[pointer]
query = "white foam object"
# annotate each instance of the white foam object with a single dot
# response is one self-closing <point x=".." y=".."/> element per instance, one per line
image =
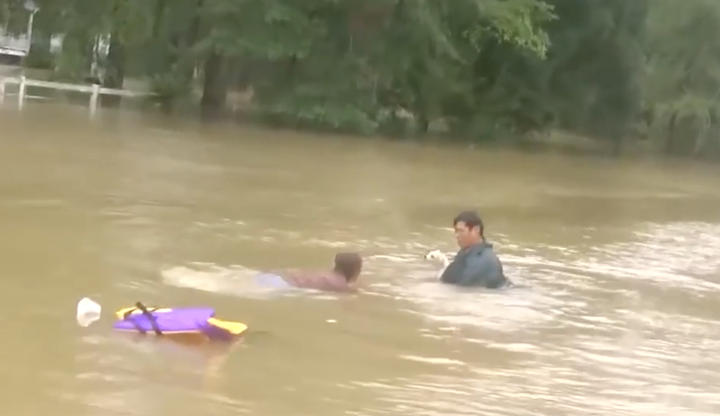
<point x="88" y="311"/>
<point x="438" y="257"/>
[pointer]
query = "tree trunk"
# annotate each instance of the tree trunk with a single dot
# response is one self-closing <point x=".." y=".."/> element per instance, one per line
<point x="214" y="95"/>
<point x="115" y="71"/>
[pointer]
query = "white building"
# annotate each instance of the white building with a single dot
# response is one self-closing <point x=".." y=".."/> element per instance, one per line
<point x="18" y="45"/>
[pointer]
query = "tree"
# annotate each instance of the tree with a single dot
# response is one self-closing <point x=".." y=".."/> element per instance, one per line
<point x="684" y="75"/>
<point x="474" y="69"/>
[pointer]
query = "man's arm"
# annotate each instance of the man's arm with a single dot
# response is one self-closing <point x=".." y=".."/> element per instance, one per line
<point x="454" y="270"/>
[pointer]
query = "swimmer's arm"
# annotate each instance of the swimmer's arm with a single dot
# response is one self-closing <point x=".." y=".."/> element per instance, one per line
<point x="329" y="285"/>
<point x="345" y="287"/>
<point x="339" y="289"/>
<point x="350" y="289"/>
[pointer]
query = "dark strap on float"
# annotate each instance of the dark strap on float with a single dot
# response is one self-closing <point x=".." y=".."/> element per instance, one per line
<point x="147" y="312"/>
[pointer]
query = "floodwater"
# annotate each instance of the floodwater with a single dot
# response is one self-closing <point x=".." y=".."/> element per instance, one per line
<point x="618" y="265"/>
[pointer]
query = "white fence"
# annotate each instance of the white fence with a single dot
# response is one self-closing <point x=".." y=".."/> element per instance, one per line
<point x="94" y="90"/>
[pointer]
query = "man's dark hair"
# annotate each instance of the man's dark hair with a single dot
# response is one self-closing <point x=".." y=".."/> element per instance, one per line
<point x="471" y="220"/>
<point x="348" y="265"/>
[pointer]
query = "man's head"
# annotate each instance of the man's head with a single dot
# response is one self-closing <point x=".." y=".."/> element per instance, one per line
<point x="469" y="229"/>
<point x="348" y="265"/>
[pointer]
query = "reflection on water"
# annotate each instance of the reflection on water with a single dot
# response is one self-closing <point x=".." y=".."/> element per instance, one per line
<point x="583" y="345"/>
<point x="616" y="265"/>
<point x="139" y="377"/>
<point x="589" y="334"/>
<point x="675" y="253"/>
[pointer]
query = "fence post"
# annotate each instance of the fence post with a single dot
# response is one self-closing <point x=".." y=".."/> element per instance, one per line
<point x="21" y="93"/>
<point x="94" y="99"/>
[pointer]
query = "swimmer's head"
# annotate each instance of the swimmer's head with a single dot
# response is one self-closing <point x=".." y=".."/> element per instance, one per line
<point x="348" y="265"/>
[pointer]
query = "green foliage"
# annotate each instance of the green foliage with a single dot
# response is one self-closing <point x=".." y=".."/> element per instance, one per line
<point x="684" y="75"/>
<point x="477" y="69"/>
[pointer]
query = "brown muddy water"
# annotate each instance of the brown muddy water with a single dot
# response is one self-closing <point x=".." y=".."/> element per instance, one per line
<point x="618" y="313"/>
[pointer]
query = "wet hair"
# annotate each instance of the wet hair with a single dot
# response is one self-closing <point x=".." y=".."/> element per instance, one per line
<point x="348" y="264"/>
<point x="471" y="220"/>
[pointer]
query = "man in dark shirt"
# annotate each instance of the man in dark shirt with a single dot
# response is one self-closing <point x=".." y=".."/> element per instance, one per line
<point x="476" y="264"/>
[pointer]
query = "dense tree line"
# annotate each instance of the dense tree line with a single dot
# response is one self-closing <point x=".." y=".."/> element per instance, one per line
<point x="613" y="70"/>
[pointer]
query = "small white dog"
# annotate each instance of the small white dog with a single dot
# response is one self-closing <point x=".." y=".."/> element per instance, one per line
<point x="440" y="259"/>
